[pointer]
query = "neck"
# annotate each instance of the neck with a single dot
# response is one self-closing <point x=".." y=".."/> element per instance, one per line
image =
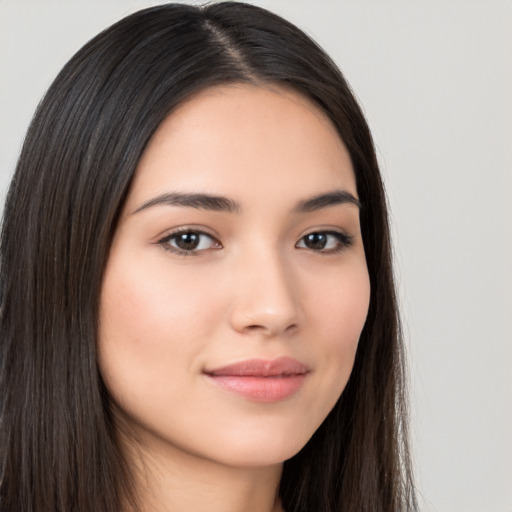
<point x="168" y="479"/>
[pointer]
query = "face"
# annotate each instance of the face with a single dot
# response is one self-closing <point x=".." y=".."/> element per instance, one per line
<point x="236" y="286"/>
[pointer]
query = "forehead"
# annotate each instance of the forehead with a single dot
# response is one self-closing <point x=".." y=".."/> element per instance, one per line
<point x="241" y="141"/>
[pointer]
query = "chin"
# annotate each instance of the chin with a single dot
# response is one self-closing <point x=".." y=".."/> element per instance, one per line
<point x="263" y="446"/>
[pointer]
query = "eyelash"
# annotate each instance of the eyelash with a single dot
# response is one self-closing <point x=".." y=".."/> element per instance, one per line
<point x="165" y="241"/>
<point x="342" y="239"/>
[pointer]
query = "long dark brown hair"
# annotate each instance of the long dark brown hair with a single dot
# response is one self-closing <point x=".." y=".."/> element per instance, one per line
<point x="58" y="449"/>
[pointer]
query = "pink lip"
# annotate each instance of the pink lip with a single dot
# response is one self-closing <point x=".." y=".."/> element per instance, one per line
<point x="261" y="380"/>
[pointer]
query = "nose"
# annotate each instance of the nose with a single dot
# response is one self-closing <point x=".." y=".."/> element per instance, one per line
<point x="266" y="301"/>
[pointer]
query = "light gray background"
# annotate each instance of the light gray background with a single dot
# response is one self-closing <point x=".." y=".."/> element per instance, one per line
<point x="435" y="79"/>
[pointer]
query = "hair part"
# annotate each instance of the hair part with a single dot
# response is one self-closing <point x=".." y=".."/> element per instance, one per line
<point x="58" y="443"/>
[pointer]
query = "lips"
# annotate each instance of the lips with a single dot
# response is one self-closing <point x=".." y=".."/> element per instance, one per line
<point x="261" y="380"/>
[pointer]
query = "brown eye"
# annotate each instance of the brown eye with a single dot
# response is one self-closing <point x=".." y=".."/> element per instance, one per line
<point x="324" y="241"/>
<point x="188" y="242"/>
<point x="315" y="241"/>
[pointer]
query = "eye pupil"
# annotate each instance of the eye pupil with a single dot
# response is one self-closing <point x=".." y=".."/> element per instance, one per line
<point x="187" y="241"/>
<point x="315" y="241"/>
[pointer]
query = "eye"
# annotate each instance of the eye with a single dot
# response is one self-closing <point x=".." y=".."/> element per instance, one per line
<point x="325" y="241"/>
<point x="189" y="242"/>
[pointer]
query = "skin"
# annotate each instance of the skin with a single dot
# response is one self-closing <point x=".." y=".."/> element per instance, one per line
<point x="253" y="288"/>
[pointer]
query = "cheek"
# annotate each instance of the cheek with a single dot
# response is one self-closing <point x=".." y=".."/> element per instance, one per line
<point x="340" y="314"/>
<point x="340" y="305"/>
<point x="149" y="326"/>
<point x="349" y="315"/>
<point x="149" y="304"/>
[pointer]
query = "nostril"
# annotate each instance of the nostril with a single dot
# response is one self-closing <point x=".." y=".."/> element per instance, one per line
<point x="291" y="328"/>
<point x="255" y="327"/>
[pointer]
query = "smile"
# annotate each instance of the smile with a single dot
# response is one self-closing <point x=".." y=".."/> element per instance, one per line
<point x="261" y="380"/>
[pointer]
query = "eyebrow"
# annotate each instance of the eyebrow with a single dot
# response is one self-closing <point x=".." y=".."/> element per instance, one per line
<point x="224" y="204"/>
<point x="325" y="200"/>
<point x="198" y="201"/>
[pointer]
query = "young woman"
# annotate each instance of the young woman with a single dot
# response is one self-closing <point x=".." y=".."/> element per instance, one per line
<point x="198" y="309"/>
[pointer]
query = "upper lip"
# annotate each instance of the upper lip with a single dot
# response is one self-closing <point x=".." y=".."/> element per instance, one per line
<point x="282" y="366"/>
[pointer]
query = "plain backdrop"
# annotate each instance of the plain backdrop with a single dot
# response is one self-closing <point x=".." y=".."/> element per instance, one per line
<point x="435" y="80"/>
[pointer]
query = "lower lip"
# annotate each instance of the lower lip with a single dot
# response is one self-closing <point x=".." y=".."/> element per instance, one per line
<point x="261" y="389"/>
